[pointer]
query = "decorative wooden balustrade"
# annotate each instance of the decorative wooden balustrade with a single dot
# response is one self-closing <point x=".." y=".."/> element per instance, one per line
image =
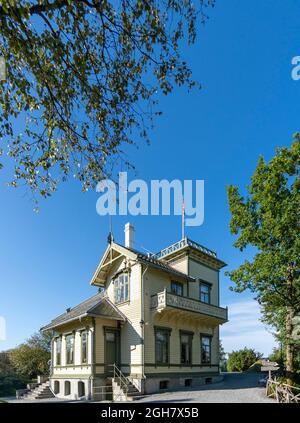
<point x="164" y="299"/>
<point x="282" y="392"/>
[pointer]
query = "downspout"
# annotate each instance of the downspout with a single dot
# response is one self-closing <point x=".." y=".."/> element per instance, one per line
<point x="143" y="322"/>
<point x="51" y="370"/>
<point x="91" y="377"/>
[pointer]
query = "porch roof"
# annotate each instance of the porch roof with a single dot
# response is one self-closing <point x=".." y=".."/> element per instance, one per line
<point x="98" y="305"/>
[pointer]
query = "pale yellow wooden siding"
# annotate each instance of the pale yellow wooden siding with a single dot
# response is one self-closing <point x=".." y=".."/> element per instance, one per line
<point x="198" y="270"/>
<point x="77" y="368"/>
<point x="156" y="281"/>
<point x="181" y="264"/>
<point x="131" y="332"/>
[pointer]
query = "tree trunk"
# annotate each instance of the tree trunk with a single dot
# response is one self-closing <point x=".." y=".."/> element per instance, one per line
<point x="289" y="346"/>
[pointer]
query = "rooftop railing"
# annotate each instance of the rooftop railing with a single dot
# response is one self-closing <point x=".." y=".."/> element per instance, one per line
<point x="183" y="243"/>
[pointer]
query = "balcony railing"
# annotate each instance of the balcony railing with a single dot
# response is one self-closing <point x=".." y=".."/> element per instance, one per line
<point x="166" y="299"/>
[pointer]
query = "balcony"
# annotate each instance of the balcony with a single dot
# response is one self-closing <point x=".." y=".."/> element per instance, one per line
<point x="164" y="301"/>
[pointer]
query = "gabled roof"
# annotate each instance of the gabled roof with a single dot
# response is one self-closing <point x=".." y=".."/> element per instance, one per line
<point x="98" y="305"/>
<point x="150" y="260"/>
<point x="116" y="251"/>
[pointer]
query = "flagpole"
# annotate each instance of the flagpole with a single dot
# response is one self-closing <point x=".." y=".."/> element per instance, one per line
<point x="182" y="222"/>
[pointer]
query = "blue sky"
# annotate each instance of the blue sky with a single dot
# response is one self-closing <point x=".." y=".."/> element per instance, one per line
<point x="247" y="106"/>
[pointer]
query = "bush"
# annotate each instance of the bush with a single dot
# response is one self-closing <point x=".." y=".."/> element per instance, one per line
<point x="19" y="365"/>
<point x="9" y="379"/>
<point x="9" y="383"/>
<point x="242" y="360"/>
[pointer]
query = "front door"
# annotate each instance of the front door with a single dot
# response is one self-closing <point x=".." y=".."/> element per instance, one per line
<point x="112" y="350"/>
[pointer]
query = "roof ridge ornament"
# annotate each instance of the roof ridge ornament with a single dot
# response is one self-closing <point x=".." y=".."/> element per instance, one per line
<point x="110" y="238"/>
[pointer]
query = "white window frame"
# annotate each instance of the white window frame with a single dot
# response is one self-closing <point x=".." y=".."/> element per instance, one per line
<point x="121" y="287"/>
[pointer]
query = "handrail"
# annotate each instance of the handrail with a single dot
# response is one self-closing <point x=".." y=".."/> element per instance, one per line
<point x="124" y="382"/>
<point x="282" y="392"/>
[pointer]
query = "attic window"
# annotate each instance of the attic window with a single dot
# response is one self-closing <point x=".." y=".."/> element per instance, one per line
<point x="121" y="288"/>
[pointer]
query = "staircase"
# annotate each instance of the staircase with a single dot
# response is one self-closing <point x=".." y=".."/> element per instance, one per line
<point x="122" y="388"/>
<point x="42" y="391"/>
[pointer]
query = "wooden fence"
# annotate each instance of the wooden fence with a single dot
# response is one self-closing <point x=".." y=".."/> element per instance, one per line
<point x="282" y="392"/>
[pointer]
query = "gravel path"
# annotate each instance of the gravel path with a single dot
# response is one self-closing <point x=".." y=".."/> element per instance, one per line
<point x="236" y="387"/>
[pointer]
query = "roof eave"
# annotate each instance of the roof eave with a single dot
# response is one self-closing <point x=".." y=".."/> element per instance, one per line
<point x="98" y="281"/>
<point x="175" y="272"/>
<point x="55" y="325"/>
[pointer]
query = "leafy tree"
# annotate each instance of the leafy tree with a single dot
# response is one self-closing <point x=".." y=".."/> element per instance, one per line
<point x="277" y="355"/>
<point x="268" y="218"/>
<point x="83" y="76"/>
<point x="241" y="360"/>
<point x="222" y="358"/>
<point x="31" y="358"/>
<point x="9" y="379"/>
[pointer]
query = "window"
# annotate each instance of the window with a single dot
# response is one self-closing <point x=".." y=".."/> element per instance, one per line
<point x="121" y="288"/>
<point x="81" y="389"/>
<point x="186" y="340"/>
<point x="56" y="386"/>
<point x="188" y="382"/>
<point x="205" y="349"/>
<point x="110" y="336"/>
<point x="67" y="388"/>
<point x="84" y="347"/>
<point x="177" y="288"/>
<point x="70" y="349"/>
<point x="58" y="351"/>
<point x="163" y="384"/>
<point x="205" y="293"/>
<point x="162" y="346"/>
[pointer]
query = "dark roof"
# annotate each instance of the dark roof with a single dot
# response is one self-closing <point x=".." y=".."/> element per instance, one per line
<point x="96" y="306"/>
<point x="160" y="264"/>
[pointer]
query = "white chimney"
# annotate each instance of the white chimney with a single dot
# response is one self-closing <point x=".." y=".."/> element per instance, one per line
<point x="129" y="235"/>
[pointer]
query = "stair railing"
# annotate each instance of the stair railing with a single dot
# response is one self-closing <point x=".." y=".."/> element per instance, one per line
<point x="122" y="379"/>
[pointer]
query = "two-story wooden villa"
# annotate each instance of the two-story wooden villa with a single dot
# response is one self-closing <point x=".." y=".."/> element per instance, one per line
<point x="155" y="320"/>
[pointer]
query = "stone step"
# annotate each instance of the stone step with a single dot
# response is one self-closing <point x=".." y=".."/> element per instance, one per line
<point x="42" y="391"/>
<point x="44" y="395"/>
<point x="133" y="394"/>
<point x="131" y="387"/>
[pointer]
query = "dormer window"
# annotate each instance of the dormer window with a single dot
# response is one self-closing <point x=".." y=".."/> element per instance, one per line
<point x="121" y="288"/>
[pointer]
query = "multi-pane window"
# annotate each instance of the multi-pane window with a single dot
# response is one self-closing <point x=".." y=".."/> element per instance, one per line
<point x="205" y="349"/>
<point x="121" y="288"/>
<point x="177" y="288"/>
<point x="162" y="346"/>
<point x="58" y="351"/>
<point x="186" y="340"/>
<point x="70" y="349"/>
<point x="84" y="346"/>
<point x="204" y="292"/>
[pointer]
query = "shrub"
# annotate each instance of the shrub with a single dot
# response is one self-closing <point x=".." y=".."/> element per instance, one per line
<point x="242" y="360"/>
